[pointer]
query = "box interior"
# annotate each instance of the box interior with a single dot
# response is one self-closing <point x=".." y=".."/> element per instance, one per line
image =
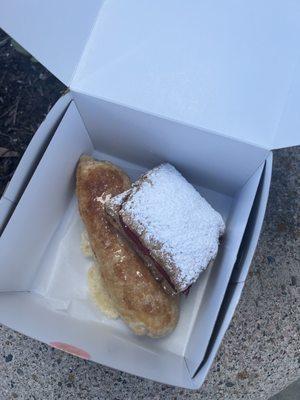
<point x="204" y="157"/>
<point x="30" y="159"/>
<point x="46" y="229"/>
<point x="238" y="277"/>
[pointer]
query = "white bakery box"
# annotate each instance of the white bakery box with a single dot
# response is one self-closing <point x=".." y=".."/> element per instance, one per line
<point x="209" y="86"/>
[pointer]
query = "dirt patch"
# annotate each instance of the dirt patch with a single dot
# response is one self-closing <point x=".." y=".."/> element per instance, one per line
<point x="27" y="92"/>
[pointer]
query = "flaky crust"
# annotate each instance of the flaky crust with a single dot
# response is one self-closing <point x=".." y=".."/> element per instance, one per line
<point x="139" y="299"/>
<point x="112" y="211"/>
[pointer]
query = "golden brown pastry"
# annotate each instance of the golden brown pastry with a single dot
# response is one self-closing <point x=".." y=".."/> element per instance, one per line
<point x="138" y="298"/>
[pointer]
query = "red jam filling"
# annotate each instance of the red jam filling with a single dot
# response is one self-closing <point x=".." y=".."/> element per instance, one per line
<point x="145" y="251"/>
<point x="186" y="292"/>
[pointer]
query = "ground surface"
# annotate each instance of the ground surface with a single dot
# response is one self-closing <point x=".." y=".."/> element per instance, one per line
<point x="260" y="353"/>
<point x="27" y="92"/>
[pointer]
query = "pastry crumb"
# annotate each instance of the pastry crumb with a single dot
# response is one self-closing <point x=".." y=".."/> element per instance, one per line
<point x="104" y="198"/>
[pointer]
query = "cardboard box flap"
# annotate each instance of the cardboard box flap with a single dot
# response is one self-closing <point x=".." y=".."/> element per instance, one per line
<point x="55" y="32"/>
<point x="228" y="67"/>
<point x="288" y="132"/>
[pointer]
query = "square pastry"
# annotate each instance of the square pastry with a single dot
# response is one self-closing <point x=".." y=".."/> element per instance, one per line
<point x="172" y="227"/>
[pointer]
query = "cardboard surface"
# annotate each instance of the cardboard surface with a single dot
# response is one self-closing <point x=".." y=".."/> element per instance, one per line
<point x="254" y="225"/>
<point x="33" y="222"/>
<point x="228" y="67"/>
<point x="6" y="207"/>
<point x="102" y="345"/>
<point x="237" y="280"/>
<point x="35" y="149"/>
<point x="149" y="140"/>
<point x="54" y="32"/>
<point x="288" y="132"/>
<point x="51" y="269"/>
<point x="221" y="273"/>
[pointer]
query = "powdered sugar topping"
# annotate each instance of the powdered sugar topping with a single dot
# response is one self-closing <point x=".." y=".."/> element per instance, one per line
<point x="174" y="222"/>
<point x="103" y="198"/>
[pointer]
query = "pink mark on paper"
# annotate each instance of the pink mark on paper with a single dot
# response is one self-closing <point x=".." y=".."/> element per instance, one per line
<point x="68" y="348"/>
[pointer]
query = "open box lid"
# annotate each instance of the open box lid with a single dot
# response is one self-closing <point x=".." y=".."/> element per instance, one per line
<point x="229" y="67"/>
